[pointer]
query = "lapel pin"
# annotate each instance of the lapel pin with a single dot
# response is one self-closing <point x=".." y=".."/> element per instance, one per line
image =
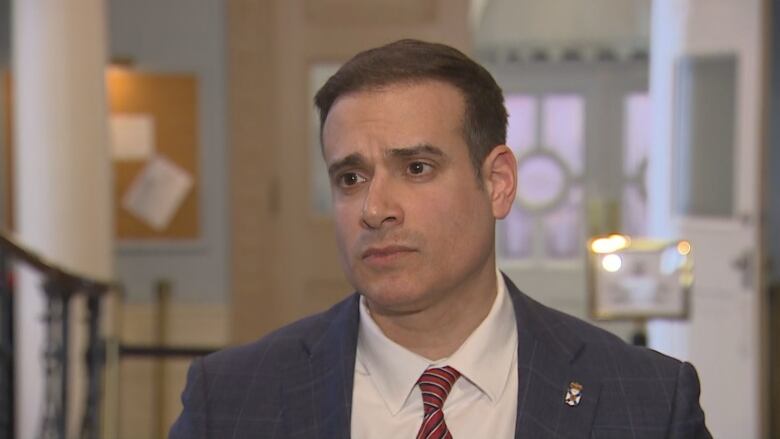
<point x="574" y="394"/>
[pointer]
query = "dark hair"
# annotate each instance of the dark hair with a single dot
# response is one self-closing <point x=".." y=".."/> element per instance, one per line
<point x="485" y="118"/>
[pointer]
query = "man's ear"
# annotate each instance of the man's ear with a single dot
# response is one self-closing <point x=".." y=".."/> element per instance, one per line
<point x="499" y="175"/>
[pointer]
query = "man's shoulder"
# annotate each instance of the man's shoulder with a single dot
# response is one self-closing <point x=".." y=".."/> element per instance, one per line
<point x="609" y="347"/>
<point x="643" y="386"/>
<point x="605" y="352"/>
<point x="288" y="343"/>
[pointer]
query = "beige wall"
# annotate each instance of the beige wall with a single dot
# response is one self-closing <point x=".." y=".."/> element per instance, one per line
<point x="284" y="262"/>
<point x="182" y="36"/>
<point x="137" y="413"/>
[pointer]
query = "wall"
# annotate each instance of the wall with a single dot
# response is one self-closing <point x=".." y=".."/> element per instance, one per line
<point x="773" y="178"/>
<point x="772" y="226"/>
<point x="184" y="37"/>
<point x="604" y="23"/>
<point x="285" y="262"/>
<point x="176" y="36"/>
<point x="181" y="36"/>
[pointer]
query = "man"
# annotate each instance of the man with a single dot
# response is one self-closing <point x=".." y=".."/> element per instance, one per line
<point x="435" y="343"/>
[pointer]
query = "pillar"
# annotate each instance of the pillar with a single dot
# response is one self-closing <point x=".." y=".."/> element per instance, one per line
<point x="62" y="186"/>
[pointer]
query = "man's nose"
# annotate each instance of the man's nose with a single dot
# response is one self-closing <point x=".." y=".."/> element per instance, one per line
<point x="381" y="207"/>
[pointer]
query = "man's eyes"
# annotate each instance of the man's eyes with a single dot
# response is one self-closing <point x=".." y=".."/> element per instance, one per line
<point x="413" y="169"/>
<point x="350" y="179"/>
<point x="419" y="168"/>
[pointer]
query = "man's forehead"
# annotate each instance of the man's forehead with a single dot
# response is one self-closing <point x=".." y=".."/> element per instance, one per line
<point x="409" y="91"/>
<point x="417" y="109"/>
<point x="400" y="85"/>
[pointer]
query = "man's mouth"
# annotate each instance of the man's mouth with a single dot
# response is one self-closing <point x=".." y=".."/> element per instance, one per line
<point x="380" y="255"/>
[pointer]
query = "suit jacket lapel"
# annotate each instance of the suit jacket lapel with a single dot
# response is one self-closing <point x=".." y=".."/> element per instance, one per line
<point x="318" y="395"/>
<point x="547" y="366"/>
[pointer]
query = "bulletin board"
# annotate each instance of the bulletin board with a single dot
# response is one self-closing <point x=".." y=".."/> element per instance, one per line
<point x="170" y="101"/>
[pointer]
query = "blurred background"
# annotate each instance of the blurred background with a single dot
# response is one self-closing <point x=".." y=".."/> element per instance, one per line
<point x="162" y="193"/>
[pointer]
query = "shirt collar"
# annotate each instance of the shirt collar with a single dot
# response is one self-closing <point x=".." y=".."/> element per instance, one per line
<point x="485" y="358"/>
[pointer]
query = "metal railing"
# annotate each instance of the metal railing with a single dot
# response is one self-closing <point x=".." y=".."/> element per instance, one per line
<point x="60" y="286"/>
<point x="6" y="349"/>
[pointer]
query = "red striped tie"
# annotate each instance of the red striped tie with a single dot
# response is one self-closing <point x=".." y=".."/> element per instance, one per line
<point x="435" y="384"/>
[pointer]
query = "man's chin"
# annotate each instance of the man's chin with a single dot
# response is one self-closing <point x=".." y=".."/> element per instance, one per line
<point x="394" y="301"/>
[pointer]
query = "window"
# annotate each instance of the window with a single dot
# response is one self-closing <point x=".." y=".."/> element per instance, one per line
<point x="547" y="135"/>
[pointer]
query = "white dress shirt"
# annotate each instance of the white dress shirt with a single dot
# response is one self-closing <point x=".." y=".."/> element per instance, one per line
<point x="386" y="402"/>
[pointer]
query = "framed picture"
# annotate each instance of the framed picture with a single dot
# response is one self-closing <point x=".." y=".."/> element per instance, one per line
<point x="635" y="278"/>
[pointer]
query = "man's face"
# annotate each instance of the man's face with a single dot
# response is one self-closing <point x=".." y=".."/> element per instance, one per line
<point x="413" y="222"/>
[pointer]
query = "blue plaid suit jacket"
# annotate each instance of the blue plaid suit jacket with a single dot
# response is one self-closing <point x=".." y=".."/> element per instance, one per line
<point x="297" y="383"/>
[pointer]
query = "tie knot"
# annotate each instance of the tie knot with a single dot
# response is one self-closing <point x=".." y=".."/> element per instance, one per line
<point x="435" y="384"/>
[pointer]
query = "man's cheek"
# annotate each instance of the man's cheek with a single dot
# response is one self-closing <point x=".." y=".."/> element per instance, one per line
<point x="345" y="214"/>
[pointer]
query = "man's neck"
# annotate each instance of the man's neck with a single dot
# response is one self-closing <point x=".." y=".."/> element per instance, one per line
<point x="438" y="330"/>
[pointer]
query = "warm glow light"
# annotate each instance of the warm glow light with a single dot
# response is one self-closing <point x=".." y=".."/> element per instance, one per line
<point x="609" y="244"/>
<point x="684" y="247"/>
<point x="612" y="263"/>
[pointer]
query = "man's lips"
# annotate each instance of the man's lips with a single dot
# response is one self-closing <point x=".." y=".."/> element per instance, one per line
<point x="385" y="252"/>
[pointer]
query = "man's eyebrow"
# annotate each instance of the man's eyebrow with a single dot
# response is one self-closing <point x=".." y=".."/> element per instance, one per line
<point x="352" y="160"/>
<point x="416" y="150"/>
<point x="356" y="160"/>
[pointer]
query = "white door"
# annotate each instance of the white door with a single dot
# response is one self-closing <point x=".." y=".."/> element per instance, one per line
<point x="714" y="204"/>
<point x="579" y="130"/>
<point x="707" y="80"/>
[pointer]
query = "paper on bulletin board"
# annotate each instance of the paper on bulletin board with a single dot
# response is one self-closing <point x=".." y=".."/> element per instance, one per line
<point x="132" y="136"/>
<point x="157" y="192"/>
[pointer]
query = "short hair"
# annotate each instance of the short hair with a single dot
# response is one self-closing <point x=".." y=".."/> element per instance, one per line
<point x="411" y="61"/>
